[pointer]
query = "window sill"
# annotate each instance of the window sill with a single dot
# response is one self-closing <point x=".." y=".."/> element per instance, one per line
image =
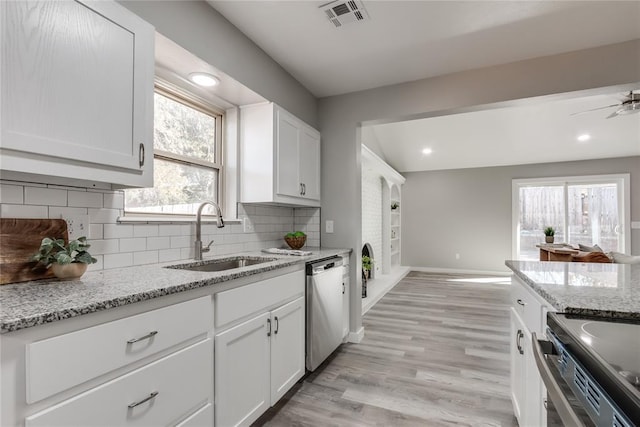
<point x="157" y="219"/>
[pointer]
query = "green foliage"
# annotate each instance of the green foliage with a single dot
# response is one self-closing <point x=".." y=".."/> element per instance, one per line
<point x="395" y="205"/>
<point x="549" y="231"/>
<point x="296" y="234"/>
<point x="366" y="263"/>
<point x="54" y="251"/>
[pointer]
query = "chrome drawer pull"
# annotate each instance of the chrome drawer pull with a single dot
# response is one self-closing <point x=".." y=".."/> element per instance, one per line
<point x="146" y="399"/>
<point x="146" y="337"/>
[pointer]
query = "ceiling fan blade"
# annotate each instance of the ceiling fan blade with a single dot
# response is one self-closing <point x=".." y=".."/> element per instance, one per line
<point x="595" y="109"/>
<point x="612" y="115"/>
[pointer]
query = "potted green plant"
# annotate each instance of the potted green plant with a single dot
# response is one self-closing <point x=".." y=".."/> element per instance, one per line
<point x="295" y="240"/>
<point x="549" y="233"/>
<point x="395" y="206"/>
<point x="366" y="265"/>
<point x="67" y="261"/>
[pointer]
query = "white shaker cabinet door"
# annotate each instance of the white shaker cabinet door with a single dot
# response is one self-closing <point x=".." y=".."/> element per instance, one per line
<point x="310" y="163"/>
<point x="242" y="372"/>
<point x="287" y="347"/>
<point x="288" y="135"/>
<point x="77" y="90"/>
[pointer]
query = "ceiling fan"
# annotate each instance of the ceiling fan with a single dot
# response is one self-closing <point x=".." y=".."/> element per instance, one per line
<point x="630" y="104"/>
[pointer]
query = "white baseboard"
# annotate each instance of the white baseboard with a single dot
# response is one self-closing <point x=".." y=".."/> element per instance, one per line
<point x="356" y="337"/>
<point x="459" y="271"/>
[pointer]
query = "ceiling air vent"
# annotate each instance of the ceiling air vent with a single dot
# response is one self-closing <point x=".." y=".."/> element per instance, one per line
<point x="342" y="12"/>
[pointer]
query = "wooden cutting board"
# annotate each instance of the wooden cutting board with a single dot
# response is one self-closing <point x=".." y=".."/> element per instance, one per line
<point x="19" y="239"/>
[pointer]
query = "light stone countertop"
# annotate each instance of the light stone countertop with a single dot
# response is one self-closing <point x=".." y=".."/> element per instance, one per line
<point x="585" y="289"/>
<point x="27" y="304"/>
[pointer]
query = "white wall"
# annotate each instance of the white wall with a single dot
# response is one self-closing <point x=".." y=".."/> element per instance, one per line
<point x="372" y="215"/>
<point x="468" y="211"/>
<point x="341" y="117"/>
<point x="122" y="245"/>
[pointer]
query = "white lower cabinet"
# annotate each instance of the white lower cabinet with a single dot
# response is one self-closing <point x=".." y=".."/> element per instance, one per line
<point x="160" y="393"/>
<point x="528" y="394"/>
<point x="257" y="362"/>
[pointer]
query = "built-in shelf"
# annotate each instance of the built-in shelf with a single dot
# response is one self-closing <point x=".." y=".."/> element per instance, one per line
<point x="393" y="239"/>
<point x="395" y="253"/>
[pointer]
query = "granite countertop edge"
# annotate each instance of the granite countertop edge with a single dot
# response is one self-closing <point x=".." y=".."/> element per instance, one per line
<point x="567" y="308"/>
<point x="16" y="295"/>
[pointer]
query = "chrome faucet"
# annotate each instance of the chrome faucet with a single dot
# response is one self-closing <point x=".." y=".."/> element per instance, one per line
<point x="199" y="249"/>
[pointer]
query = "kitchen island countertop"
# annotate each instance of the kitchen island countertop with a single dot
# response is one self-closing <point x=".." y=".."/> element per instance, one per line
<point x="23" y="305"/>
<point x="585" y="289"/>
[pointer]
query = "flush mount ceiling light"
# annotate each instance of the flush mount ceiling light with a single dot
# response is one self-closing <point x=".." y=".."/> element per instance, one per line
<point x="204" y="79"/>
<point x="584" y="137"/>
<point x="427" y="151"/>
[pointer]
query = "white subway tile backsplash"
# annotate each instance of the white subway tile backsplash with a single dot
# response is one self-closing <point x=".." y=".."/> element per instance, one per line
<point x="44" y="196"/>
<point x="133" y="244"/>
<point x="11" y="194"/>
<point x="117" y="245"/>
<point x="84" y="199"/>
<point x="145" y="230"/>
<point x="166" y="255"/>
<point x="158" y="243"/>
<point x="114" y="200"/>
<point x="182" y="241"/>
<point x="23" y="211"/>
<point x="116" y="231"/>
<point x="96" y="231"/>
<point x="101" y="247"/>
<point x="103" y="216"/>
<point x="145" y="257"/>
<point x="118" y="260"/>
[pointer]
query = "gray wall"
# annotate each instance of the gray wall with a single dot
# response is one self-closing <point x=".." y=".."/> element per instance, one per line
<point x="468" y="211"/>
<point x="203" y="31"/>
<point x="341" y="116"/>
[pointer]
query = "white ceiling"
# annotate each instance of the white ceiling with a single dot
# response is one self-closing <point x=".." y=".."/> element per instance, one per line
<point x="411" y="40"/>
<point x="536" y="133"/>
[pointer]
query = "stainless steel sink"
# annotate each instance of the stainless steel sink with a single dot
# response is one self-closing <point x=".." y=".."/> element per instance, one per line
<point x="223" y="264"/>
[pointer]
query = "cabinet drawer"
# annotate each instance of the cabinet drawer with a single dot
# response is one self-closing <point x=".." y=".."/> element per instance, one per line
<point x="527" y="306"/>
<point x="202" y="418"/>
<point x="61" y="362"/>
<point x="183" y="381"/>
<point x="240" y="302"/>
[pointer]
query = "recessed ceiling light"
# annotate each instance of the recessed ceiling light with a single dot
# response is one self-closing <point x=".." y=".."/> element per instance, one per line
<point x="584" y="137"/>
<point x="427" y="151"/>
<point x="204" y="79"/>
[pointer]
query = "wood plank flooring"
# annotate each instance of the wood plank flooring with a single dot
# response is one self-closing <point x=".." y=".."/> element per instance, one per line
<point x="435" y="353"/>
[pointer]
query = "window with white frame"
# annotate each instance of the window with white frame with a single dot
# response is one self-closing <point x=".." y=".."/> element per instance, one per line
<point x="584" y="210"/>
<point x="187" y="157"/>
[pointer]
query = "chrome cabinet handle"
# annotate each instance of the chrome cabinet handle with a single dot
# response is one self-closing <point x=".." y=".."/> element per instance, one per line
<point x="519" y="336"/>
<point x="269" y="325"/>
<point x="146" y="399"/>
<point x="141" y="155"/>
<point x="304" y="189"/>
<point x="146" y="337"/>
<point x="277" y="325"/>
<point x="301" y="192"/>
<point x="522" y="303"/>
<point x="343" y="288"/>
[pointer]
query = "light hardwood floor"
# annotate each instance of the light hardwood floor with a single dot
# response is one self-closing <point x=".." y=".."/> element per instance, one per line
<point x="435" y="353"/>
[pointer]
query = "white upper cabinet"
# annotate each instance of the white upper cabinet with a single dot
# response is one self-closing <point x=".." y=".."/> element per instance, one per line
<point x="77" y="91"/>
<point x="280" y="157"/>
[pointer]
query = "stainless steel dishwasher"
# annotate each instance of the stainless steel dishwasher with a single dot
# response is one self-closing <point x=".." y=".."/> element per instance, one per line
<point x="324" y="310"/>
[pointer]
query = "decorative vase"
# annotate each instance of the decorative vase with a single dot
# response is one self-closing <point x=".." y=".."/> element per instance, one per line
<point x="548" y="239"/>
<point x="69" y="271"/>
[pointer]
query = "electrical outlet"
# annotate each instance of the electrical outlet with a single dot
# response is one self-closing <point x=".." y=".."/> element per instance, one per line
<point x="248" y="226"/>
<point x="329" y="226"/>
<point x="77" y="225"/>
